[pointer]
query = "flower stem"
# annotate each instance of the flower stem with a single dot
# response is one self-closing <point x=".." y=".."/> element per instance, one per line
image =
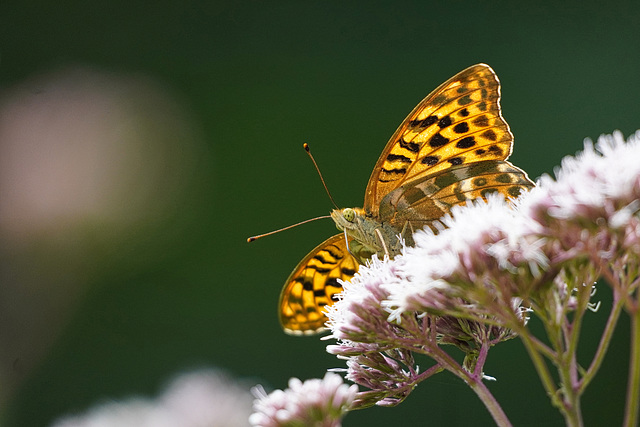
<point x="541" y="367"/>
<point x="633" y="388"/>
<point x="473" y="379"/>
<point x="605" y="340"/>
<point x="489" y="401"/>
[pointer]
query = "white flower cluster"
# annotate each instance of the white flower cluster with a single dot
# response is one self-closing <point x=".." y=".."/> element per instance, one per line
<point x="474" y="282"/>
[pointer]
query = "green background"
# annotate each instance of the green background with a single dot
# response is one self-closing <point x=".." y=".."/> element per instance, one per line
<point x="255" y="80"/>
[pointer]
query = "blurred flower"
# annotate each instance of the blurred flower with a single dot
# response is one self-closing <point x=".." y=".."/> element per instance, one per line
<point x="198" y="399"/>
<point x="320" y="403"/>
<point x="93" y="168"/>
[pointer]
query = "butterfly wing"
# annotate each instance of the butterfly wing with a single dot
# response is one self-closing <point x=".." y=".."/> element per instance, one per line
<point x="313" y="285"/>
<point x="457" y="124"/>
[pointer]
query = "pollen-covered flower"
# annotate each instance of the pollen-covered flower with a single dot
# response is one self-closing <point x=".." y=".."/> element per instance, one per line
<point x="315" y="402"/>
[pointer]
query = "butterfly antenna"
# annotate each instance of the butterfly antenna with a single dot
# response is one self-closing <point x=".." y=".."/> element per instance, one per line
<point x="308" y="150"/>
<point x="252" y="238"/>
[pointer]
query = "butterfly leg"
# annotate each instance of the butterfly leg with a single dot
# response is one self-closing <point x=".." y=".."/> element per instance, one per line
<point x="346" y="241"/>
<point x="407" y="226"/>
<point x="383" y="243"/>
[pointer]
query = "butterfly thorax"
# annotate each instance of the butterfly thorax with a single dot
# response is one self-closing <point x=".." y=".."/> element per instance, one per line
<point x="369" y="235"/>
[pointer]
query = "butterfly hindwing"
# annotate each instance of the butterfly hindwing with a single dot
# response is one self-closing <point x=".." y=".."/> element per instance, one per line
<point x="458" y="123"/>
<point x="313" y="285"/>
<point x="423" y="201"/>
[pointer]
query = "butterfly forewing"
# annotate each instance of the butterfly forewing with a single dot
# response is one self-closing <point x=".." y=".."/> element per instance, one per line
<point x="458" y="123"/>
<point x="313" y="285"/>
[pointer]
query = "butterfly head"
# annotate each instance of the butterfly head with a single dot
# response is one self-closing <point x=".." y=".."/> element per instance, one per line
<point x="349" y="219"/>
<point x="361" y="231"/>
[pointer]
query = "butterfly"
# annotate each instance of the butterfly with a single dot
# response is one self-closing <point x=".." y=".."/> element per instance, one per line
<point x="452" y="148"/>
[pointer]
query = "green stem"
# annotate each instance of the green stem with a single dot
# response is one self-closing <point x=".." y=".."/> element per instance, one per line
<point x="605" y="340"/>
<point x="568" y="365"/>
<point x="482" y="391"/>
<point x="541" y="367"/>
<point x="489" y="401"/>
<point x="567" y="370"/>
<point x="633" y="388"/>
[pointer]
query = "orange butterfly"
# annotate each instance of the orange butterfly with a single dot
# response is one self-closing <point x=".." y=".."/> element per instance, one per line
<point x="452" y="148"/>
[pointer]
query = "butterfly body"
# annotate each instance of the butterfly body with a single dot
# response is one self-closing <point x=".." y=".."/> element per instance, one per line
<point x="452" y="148"/>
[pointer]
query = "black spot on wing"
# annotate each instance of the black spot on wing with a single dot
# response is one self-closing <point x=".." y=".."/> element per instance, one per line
<point x="514" y="191"/>
<point x="481" y="121"/>
<point x="319" y="269"/>
<point x="445" y="180"/>
<point x="457" y="191"/>
<point x="496" y="150"/>
<point x="444" y="122"/>
<point x="424" y="122"/>
<point x="438" y="140"/>
<point x="489" y="134"/>
<point x="467" y="142"/>
<point x="462" y="127"/>
<point x="409" y="146"/>
<point x="430" y="160"/>
<point x="504" y="178"/>
<point x="465" y="100"/>
<point x="395" y="171"/>
<point x="413" y="195"/>
<point x="398" y="157"/>
<point x="399" y="171"/>
<point x="347" y="272"/>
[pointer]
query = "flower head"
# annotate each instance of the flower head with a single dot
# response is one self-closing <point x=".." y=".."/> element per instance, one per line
<point x="592" y="207"/>
<point x="478" y="267"/>
<point x="359" y="314"/>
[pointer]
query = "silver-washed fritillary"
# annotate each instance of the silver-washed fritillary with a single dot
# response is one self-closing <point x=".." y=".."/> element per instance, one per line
<point x="452" y="148"/>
